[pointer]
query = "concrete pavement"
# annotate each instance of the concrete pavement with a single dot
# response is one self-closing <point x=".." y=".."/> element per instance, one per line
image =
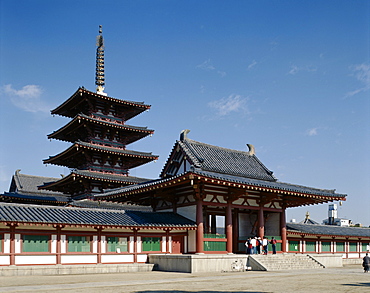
<point x="347" y="279"/>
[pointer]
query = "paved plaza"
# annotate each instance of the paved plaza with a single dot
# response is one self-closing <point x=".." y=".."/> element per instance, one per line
<point x="347" y="279"/>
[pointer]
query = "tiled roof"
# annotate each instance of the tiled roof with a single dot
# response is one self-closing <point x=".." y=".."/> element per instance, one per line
<point x="82" y="216"/>
<point x="273" y="185"/>
<point x="68" y="107"/>
<point x="27" y="184"/>
<point x="328" y="230"/>
<point x="143" y="130"/>
<point x="108" y="176"/>
<point x="232" y="179"/>
<point x="34" y="197"/>
<point x="91" y="175"/>
<point x="64" y="158"/>
<point x="224" y="161"/>
<point x="87" y="203"/>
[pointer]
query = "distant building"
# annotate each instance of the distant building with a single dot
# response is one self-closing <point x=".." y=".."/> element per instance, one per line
<point x="333" y="217"/>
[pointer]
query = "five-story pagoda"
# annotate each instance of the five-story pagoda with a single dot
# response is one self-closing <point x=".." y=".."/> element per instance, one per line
<point x="98" y="158"/>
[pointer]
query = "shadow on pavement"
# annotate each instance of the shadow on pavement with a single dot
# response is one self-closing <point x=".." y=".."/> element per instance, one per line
<point x="358" y="285"/>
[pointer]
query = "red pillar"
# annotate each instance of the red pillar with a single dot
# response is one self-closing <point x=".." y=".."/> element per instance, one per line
<point x="283" y="230"/>
<point x="135" y="245"/>
<point x="200" y="227"/>
<point x="59" y="245"/>
<point x="12" y="245"/>
<point x="167" y="241"/>
<point x="261" y="223"/>
<point x="229" y="228"/>
<point x="99" y="230"/>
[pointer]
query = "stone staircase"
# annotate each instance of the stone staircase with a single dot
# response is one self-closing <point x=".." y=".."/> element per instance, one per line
<point x="285" y="261"/>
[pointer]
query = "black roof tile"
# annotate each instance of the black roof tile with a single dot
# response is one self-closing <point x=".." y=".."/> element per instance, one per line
<point x="328" y="230"/>
<point x="10" y="212"/>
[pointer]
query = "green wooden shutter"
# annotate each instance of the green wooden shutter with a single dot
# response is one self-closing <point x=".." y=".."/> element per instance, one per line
<point x="115" y="244"/>
<point x="325" y="246"/>
<point x="78" y="244"/>
<point x="151" y="243"/>
<point x="352" y="246"/>
<point x="310" y="246"/>
<point x="340" y="246"/>
<point x="35" y="243"/>
<point x="293" y="245"/>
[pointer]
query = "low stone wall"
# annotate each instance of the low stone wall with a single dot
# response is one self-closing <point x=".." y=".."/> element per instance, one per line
<point x="328" y="260"/>
<point x="74" y="269"/>
<point x="352" y="261"/>
<point x="196" y="263"/>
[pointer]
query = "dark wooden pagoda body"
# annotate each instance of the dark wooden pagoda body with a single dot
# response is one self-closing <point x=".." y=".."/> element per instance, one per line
<point x="98" y="157"/>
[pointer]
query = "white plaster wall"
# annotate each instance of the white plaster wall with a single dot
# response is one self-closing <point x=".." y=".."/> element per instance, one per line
<point x="76" y="259"/>
<point x="103" y="244"/>
<point x="35" y="259"/>
<point x="188" y="212"/>
<point x="186" y="244"/>
<point x="138" y="244"/>
<point x="95" y="244"/>
<point x="163" y="248"/>
<point x="4" y="260"/>
<point x="142" y="257"/>
<point x="63" y="243"/>
<point x="131" y="244"/>
<point x="353" y="255"/>
<point x="17" y="243"/>
<point x="53" y="248"/>
<point x="117" y="258"/>
<point x="170" y="243"/>
<point x="6" y="243"/>
<point x="192" y="241"/>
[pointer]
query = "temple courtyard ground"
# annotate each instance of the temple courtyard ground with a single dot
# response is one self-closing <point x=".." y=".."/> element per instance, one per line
<point x="350" y="278"/>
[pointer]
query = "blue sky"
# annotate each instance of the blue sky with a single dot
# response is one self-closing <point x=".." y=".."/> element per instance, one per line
<point x="290" y="77"/>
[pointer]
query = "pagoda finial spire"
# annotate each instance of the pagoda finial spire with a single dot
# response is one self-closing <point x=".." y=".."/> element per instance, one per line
<point x="99" y="74"/>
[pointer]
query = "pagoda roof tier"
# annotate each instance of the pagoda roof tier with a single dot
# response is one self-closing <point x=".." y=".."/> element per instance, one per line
<point x="83" y="101"/>
<point x="75" y="182"/>
<point x="75" y="156"/>
<point x="292" y="195"/>
<point x="78" y="129"/>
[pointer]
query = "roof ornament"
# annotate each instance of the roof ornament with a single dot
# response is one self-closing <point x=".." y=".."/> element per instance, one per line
<point x="184" y="134"/>
<point x="252" y="151"/>
<point x="99" y="73"/>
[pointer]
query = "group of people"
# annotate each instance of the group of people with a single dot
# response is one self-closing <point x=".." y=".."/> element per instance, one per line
<point x="256" y="245"/>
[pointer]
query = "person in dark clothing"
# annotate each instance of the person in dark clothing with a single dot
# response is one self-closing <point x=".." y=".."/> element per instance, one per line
<point x="366" y="263"/>
<point x="273" y="244"/>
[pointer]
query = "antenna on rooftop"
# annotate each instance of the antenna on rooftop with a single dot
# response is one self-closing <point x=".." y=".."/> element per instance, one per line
<point x="99" y="74"/>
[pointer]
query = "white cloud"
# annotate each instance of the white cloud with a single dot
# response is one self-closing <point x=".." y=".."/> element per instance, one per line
<point x="294" y="69"/>
<point x="233" y="103"/>
<point x="312" y="131"/>
<point x="250" y="66"/>
<point x="208" y="66"/>
<point x="362" y="74"/>
<point x="28" y="98"/>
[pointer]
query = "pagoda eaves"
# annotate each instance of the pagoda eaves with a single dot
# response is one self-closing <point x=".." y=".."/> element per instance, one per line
<point x="84" y="101"/>
<point x="89" y="155"/>
<point x="81" y="128"/>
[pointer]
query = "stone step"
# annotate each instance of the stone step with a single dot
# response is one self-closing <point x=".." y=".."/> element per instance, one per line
<point x="286" y="262"/>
